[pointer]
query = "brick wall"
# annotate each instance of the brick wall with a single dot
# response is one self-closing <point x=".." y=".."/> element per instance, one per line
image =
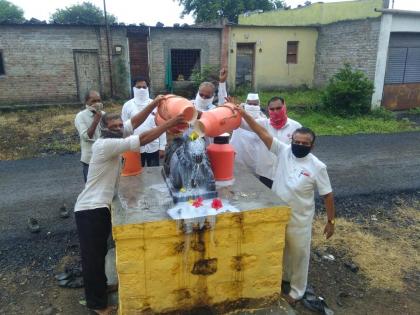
<point x="164" y="39"/>
<point x="39" y="61"/>
<point x="354" y="42"/>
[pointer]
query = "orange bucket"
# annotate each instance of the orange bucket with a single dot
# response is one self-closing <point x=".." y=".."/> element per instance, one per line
<point x="174" y="105"/>
<point x="216" y="121"/>
<point x="131" y="164"/>
<point x="175" y="130"/>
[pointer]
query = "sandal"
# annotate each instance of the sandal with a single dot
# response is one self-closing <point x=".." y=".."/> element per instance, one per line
<point x="314" y="303"/>
<point x="72" y="283"/>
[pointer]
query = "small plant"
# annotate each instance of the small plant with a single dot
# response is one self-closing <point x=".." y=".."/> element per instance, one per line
<point x="348" y="92"/>
<point x="206" y="73"/>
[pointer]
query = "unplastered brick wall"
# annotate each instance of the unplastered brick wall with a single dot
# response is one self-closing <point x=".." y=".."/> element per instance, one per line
<point x="39" y="62"/>
<point x="354" y="42"/>
<point x="162" y="40"/>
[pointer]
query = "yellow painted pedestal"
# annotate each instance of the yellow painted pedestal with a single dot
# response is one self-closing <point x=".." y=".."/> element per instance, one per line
<point x="163" y="270"/>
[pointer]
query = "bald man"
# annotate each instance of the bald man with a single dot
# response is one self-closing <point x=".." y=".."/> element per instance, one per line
<point x="87" y="125"/>
<point x="205" y="96"/>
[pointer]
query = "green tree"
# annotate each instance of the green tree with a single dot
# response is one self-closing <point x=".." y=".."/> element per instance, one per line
<point x="10" y="13"/>
<point x="349" y="92"/>
<point x="85" y="13"/>
<point x="213" y="10"/>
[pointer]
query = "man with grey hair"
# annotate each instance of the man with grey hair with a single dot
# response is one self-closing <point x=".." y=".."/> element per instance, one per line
<point x="205" y="96"/>
<point x="87" y="125"/>
<point x="92" y="209"/>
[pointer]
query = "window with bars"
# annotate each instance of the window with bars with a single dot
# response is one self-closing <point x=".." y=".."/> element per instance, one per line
<point x="292" y="51"/>
<point x="2" y="72"/>
<point x="183" y="62"/>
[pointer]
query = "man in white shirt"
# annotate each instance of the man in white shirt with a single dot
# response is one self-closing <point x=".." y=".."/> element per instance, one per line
<point x="281" y="127"/>
<point x="298" y="173"/>
<point x="87" y="125"/>
<point x="92" y="209"/>
<point x="244" y="141"/>
<point x="155" y="150"/>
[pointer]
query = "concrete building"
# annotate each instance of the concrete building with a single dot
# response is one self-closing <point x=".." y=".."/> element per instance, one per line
<point x="267" y="58"/>
<point x="383" y="43"/>
<point x="175" y="52"/>
<point x="397" y="75"/>
<point x="44" y="63"/>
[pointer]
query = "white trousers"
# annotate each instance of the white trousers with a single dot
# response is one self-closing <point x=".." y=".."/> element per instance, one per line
<point x="296" y="259"/>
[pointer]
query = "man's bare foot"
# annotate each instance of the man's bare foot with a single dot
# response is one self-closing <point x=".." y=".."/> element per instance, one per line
<point x="289" y="299"/>
<point x="106" y="311"/>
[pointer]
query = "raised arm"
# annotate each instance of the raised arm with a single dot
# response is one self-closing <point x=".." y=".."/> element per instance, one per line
<point x="152" y="134"/>
<point x="256" y="127"/>
<point x="222" y="91"/>
<point x="139" y="118"/>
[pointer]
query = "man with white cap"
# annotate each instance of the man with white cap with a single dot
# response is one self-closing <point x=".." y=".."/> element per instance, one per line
<point x="155" y="150"/>
<point x="279" y="126"/>
<point x="245" y="141"/>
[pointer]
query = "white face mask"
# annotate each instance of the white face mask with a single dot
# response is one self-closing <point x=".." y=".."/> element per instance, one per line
<point x="141" y="95"/>
<point x="203" y="103"/>
<point x="253" y="110"/>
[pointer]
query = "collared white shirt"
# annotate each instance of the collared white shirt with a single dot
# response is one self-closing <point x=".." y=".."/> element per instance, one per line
<point x="104" y="170"/>
<point x="295" y="182"/>
<point x="130" y="109"/>
<point x="83" y="121"/>
<point x="266" y="163"/>
<point x="245" y="143"/>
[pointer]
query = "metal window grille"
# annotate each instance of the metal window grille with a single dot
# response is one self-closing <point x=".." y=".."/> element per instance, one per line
<point x="292" y="52"/>
<point x="2" y="72"/>
<point x="183" y="62"/>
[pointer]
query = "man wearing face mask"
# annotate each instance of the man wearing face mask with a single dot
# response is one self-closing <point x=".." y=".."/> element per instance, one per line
<point x="155" y="150"/>
<point x="87" y="125"/>
<point x="92" y="209"/>
<point x="245" y="141"/>
<point x="298" y="173"/>
<point x="280" y="127"/>
<point x="205" y="95"/>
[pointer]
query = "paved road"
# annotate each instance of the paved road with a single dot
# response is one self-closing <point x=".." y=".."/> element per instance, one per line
<point x="360" y="164"/>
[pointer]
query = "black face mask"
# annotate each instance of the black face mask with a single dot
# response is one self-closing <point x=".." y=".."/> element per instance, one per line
<point x="300" y="151"/>
<point x="108" y="133"/>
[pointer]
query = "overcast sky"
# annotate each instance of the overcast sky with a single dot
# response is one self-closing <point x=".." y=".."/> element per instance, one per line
<point x="149" y="11"/>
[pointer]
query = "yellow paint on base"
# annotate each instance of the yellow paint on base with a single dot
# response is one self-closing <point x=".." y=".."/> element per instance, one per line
<point x="159" y="266"/>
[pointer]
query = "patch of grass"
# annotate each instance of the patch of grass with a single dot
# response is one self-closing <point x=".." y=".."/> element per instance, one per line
<point x="384" y="257"/>
<point x="33" y="132"/>
<point x="305" y="107"/>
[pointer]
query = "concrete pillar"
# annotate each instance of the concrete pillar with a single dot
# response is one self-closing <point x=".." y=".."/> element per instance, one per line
<point x="384" y="34"/>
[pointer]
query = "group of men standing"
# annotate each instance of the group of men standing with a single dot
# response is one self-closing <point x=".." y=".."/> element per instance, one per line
<point x="274" y="147"/>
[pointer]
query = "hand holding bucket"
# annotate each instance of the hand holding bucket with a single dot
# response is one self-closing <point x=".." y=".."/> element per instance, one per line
<point x="219" y="120"/>
<point x="170" y="107"/>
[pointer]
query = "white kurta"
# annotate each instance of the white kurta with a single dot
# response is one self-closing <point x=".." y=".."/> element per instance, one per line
<point x="295" y="182"/>
<point x="266" y="164"/>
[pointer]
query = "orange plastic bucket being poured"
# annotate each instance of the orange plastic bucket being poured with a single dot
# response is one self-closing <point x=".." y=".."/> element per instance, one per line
<point x="131" y="164"/>
<point x="171" y="107"/>
<point x="219" y="120"/>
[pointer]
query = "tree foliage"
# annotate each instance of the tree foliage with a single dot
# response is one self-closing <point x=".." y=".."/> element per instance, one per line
<point x="213" y="10"/>
<point x="10" y="13"/>
<point x="349" y="92"/>
<point x="85" y="13"/>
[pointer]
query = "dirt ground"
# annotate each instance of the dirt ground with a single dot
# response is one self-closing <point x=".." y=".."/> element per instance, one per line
<point x="378" y="234"/>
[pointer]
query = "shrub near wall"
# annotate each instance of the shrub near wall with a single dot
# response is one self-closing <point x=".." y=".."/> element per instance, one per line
<point x="348" y="92"/>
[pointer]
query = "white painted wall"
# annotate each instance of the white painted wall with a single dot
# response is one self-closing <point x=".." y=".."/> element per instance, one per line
<point x="405" y="23"/>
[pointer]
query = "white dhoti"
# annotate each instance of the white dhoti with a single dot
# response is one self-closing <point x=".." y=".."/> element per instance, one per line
<point x="296" y="259"/>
